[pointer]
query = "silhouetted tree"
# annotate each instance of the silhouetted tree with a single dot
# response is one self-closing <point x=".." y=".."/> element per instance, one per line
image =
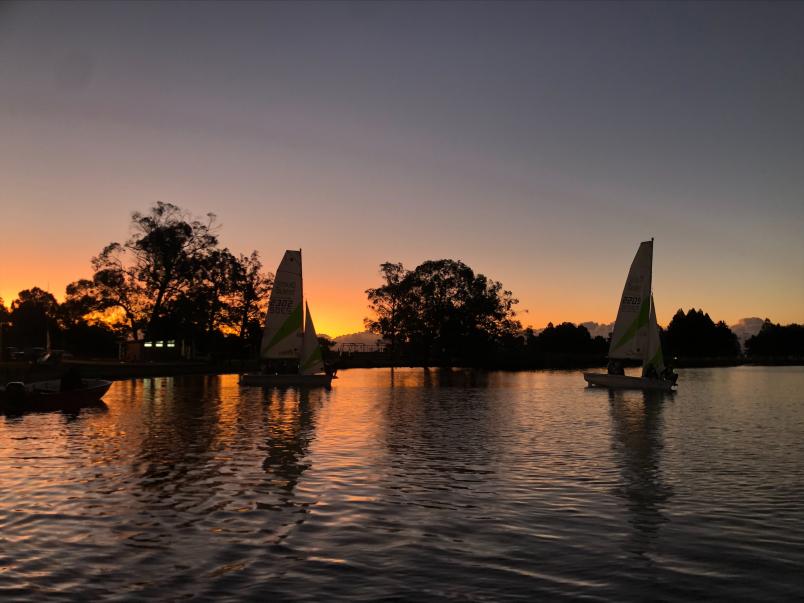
<point x="170" y="280"/>
<point x="201" y="306"/>
<point x="79" y="301"/>
<point x="115" y="290"/>
<point x="4" y="323"/>
<point x="167" y="246"/>
<point x="777" y="341"/>
<point x="567" y="338"/>
<point x="389" y="304"/>
<point x="696" y="335"/>
<point x="33" y="314"/>
<point x="565" y="345"/>
<point x="248" y="295"/>
<point x="83" y="331"/>
<point x="154" y="266"/>
<point x="442" y="311"/>
<point x="326" y="348"/>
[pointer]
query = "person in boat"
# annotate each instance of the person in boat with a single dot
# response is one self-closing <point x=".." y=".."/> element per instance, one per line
<point x="668" y="374"/>
<point x="615" y="367"/>
<point x="71" y="380"/>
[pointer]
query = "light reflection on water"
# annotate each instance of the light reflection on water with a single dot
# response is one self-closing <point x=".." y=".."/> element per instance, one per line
<point x="414" y="485"/>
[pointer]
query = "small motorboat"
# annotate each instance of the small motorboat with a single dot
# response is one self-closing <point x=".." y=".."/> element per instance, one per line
<point x="51" y="395"/>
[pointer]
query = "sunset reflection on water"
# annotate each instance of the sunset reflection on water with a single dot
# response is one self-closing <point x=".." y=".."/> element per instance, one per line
<point x="411" y="484"/>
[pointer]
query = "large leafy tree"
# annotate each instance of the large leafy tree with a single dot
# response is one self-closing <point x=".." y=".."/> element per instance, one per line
<point x="247" y="297"/>
<point x="170" y="279"/>
<point x="200" y="306"/>
<point x="442" y="311"/>
<point x="390" y="305"/>
<point x="33" y="314"/>
<point x="228" y="294"/>
<point x="142" y="277"/>
<point x="166" y="248"/>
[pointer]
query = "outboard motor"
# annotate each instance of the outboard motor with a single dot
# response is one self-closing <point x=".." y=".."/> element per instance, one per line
<point x="15" y="392"/>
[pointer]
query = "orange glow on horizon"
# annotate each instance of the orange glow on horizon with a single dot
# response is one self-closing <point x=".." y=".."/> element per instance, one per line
<point x="338" y="302"/>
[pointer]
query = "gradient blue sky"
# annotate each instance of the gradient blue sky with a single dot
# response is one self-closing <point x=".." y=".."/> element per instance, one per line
<point x="537" y="142"/>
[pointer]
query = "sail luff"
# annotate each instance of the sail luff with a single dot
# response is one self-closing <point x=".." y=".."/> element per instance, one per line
<point x="629" y="337"/>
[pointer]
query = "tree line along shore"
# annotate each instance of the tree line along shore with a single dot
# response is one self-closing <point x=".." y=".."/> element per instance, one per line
<point x="171" y="284"/>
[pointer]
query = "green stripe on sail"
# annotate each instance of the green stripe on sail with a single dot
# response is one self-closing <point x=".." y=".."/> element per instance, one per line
<point x="658" y="358"/>
<point x="640" y="321"/>
<point x="314" y="357"/>
<point x="292" y="322"/>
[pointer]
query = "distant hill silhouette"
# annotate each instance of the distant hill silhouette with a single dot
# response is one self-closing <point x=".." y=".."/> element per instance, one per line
<point x="745" y="328"/>
<point x="599" y="329"/>
<point x="363" y="337"/>
<point x="595" y="329"/>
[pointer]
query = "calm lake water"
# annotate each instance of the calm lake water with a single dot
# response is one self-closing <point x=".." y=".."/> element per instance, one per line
<point x="417" y="485"/>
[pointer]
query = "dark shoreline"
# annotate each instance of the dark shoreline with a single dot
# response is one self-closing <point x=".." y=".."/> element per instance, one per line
<point x="114" y="370"/>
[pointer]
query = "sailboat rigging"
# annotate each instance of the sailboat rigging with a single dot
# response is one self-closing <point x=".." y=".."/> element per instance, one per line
<point x="290" y="349"/>
<point x="636" y="333"/>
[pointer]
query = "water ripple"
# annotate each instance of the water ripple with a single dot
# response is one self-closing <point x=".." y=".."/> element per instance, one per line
<point x="416" y="485"/>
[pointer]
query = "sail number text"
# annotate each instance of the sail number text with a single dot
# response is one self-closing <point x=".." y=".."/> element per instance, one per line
<point x="280" y="306"/>
<point x="632" y="300"/>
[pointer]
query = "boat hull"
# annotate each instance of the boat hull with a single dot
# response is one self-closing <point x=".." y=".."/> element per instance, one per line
<point x="47" y="395"/>
<point x="268" y="380"/>
<point x="626" y="382"/>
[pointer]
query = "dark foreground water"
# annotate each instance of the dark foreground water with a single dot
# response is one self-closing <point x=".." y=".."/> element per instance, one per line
<point x="418" y="486"/>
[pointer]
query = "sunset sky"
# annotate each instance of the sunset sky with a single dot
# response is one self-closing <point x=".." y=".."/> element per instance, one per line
<point x="537" y="142"/>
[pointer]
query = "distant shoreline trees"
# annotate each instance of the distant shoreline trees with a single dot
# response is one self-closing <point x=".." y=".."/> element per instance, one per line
<point x="696" y="335"/>
<point x="775" y="341"/>
<point x="171" y="280"/>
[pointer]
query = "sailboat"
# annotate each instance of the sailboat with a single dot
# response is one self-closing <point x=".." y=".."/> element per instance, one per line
<point x="636" y="333"/>
<point x="289" y="346"/>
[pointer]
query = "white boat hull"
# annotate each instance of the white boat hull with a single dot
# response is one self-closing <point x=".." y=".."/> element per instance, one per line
<point x="268" y="380"/>
<point x="626" y="382"/>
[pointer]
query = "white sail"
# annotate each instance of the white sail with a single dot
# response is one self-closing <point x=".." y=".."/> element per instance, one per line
<point x="312" y="360"/>
<point x="630" y="336"/>
<point x="282" y="337"/>
<point x="653" y="356"/>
